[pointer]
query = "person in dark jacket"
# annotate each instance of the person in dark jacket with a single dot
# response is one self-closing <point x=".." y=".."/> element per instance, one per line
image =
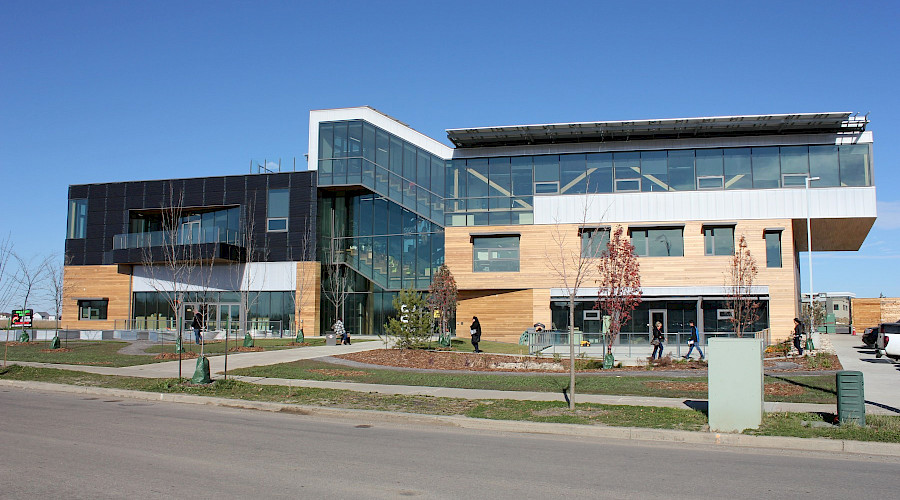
<point x="475" y="330"/>
<point x="197" y="325"/>
<point x="694" y="341"/>
<point x="658" y="338"/>
<point x="798" y="335"/>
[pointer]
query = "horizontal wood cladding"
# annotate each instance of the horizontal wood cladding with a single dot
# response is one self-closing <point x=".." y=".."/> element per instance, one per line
<point x="112" y="282"/>
<point x="539" y="247"/>
<point x="870" y="312"/>
<point x="503" y="314"/>
<point x="307" y="297"/>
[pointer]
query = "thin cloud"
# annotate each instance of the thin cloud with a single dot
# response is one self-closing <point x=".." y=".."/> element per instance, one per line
<point x="888" y="215"/>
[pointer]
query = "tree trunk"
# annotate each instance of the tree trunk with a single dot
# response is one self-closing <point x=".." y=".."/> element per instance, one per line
<point x="572" y="351"/>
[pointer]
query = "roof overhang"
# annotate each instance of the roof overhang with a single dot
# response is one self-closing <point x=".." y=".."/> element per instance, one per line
<point x="673" y="128"/>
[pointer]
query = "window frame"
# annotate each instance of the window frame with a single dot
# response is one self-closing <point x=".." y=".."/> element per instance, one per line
<point x="76" y="225"/>
<point x="479" y="268"/>
<point x="712" y="236"/>
<point x="603" y="244"/>
<point x="277" y="218"/>
<point x="102" y="309"/>
<point x="777" y="233"/>
<point x="645" y="252"/>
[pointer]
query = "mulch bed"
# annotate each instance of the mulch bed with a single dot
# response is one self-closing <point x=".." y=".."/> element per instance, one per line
<point x="61" y="349"/>
<point x="15" y="343"/>
<point x="298" y="344"/>
<point x="174" y="356"/>
<point x="246" y="349"/>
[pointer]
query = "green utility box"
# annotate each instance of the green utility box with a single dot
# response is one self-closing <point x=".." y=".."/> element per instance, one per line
<point x="851" y="400"/>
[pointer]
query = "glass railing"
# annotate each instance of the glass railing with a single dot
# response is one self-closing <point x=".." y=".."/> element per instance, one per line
<point x="163" y="238"/>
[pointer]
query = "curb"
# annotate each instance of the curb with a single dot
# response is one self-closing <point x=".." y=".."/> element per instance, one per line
<point x="516" y="426"/>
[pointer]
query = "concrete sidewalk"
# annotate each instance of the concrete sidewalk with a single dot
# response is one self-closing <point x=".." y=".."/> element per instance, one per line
<point x="881" y="377"/>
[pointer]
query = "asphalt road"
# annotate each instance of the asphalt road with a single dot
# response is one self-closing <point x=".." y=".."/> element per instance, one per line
<point x="76" y="446"/>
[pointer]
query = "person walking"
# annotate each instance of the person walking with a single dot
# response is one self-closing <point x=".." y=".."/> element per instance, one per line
<point x="694" y="341"/>
<point x="475" y="330"/>
<point x="341" y="332"/>
<point x="657" y="342"/>
<point x="798" y="335"/>
<point x="197" y="325"/>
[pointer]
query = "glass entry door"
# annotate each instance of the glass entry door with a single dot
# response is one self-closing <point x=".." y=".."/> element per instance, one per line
<point x="230" y="319"/>
<point x="658" y="315"/>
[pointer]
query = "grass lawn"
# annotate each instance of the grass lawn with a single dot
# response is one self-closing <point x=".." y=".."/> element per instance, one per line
<point x="808" y="389"/>
<point x="83" y="352"/>
<point x="218" y="347"/>
<point x="879" y="428"/>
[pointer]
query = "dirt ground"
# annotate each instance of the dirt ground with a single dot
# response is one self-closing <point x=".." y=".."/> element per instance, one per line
<point x="443" y="360"/>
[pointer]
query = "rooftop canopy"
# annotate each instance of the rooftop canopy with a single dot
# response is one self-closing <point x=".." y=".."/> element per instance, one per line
<point x="671" y="128"/>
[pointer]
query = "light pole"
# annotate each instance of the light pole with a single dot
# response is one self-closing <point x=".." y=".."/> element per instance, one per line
<point x="812" y="313"/>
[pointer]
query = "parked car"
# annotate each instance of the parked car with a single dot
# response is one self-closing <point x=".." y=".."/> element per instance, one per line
<point x="888" y="343"/>
<point x="870" y="336"/>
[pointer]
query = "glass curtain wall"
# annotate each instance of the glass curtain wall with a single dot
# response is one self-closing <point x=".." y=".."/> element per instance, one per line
<point x="268" y="311"/>
<point x="357" y="153"/>
<point x="678" y="315"/>
<point x="501" y="190"/>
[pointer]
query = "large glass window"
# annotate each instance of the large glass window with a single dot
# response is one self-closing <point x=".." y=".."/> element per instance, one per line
<point x="823" y="163"/>
<point x="654" y="172"/>
<point x="521" y="175"/>
<point x="681" y="170"/>
<point x="499" y="177"/>
<point x="658" y="242"/>
<point x="600" y="173"/>
<point x="277" y="210"/>
<point x="737" y="169"/>
<point x="854" y="165"/>
<point x="718" y="240"/>
<point x="495" y="254"/>
<point x="594" y="242"/>
<point x="627" y="171"/>
<point x="710" y="173"/>
<point x="92" y="309"/>
<point x="572" y="176"/>
<point x="77" y="225"/>
<point x="766" y="168"/>
<point x="773" y="248"/>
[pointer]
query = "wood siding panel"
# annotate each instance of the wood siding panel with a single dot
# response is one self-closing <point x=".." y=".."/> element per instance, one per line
<point x="113" y="282"/>
<point x="503" y="314"/>
<point x="307" y="297"/>
<point x="870" y="312"/>
<point x="537" y="247"/>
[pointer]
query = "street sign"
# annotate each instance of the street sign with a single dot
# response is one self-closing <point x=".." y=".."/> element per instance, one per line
<point x="22" y="317"/>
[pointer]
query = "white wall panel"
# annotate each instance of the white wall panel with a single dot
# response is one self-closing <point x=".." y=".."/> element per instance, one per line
<point x="260" y="276"/>
<point x="842" y="202"/>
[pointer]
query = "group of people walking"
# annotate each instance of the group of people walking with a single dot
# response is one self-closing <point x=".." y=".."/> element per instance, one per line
<point x="659" y="339"/>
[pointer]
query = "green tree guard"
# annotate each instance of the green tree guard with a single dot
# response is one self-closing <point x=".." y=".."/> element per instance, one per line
<point x="445" y="340"/>
<point x="609" y="361"/>
<point x="201" y="373"/>
<point x="248" y="340"/>
<point x="54" y="344"/>
<point x="24" y="337"/>
<point x="179" y="346"/>
<point x="299" y="336"/>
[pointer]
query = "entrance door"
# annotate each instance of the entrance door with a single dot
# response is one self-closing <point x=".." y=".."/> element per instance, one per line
<point x="657" y="315"/>
<point x="230" y="319"/>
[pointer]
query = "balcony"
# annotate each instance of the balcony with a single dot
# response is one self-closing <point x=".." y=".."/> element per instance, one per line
<point x="214" y="243"/>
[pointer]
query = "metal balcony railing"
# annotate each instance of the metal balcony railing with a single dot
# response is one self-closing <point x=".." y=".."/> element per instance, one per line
<point x="162" y="238"/>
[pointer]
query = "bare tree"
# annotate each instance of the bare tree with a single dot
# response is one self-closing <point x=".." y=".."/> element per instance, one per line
<point x="169" y="258"/>
<point x="29" y="275"/>
<point x="304" y="280"/>
<point x="8" y="287"/>
<point x="572" y="257"/>
<point x="442" y="298"/>
<point x="620" y="283"/>
<point x="337" y="274"/>
<point x="55" y="286"/>
<point x="739" y="285"/>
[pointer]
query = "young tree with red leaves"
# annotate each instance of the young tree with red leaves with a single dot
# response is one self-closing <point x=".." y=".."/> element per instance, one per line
<point x="739" y="283"/>
<point x="442" y="297"/>
<point x="620" y="283"/>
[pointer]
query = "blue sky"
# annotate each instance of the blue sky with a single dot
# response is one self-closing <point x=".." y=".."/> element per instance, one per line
<point x="100" y="91"/>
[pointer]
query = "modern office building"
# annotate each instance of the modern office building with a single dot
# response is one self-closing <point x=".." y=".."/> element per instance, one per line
<point x="391" y="205"/>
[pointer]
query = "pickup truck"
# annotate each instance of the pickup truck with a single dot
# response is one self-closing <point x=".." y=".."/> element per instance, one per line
<point x="888" y="343"/>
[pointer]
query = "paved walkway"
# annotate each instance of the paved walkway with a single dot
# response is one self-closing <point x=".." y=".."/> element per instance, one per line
<point x="881" y="377"/>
